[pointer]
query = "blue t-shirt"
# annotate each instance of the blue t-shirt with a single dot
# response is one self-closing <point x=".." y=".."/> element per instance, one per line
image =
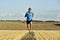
<point x="29" y="16"/>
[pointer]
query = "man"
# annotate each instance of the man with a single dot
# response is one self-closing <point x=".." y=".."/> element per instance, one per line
<point x="29" y="16"/>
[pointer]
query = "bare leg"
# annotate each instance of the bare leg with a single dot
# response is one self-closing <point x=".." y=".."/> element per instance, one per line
<point x="30" y="25"/>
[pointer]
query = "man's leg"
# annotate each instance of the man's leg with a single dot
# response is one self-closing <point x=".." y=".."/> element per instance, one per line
<point x="30" y="25"/>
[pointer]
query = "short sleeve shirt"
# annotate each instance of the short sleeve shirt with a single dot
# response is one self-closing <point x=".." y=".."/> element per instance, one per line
<point x="29" y="16"/>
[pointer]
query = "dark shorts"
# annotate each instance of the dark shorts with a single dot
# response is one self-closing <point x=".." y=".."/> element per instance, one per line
<point x="29" y="21"/>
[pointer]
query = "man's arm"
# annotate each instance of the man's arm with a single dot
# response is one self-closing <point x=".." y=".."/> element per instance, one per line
<point x="32" y="15"/>
<point x="25" y="14"/>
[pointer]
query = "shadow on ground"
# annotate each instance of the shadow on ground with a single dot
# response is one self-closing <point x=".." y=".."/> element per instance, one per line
<point x="57" y="24"/>
<point x="29" y="36"/>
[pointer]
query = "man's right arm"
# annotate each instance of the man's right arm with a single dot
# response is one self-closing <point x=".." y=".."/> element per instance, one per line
<point x="25" y="14"/>
<point x="32" y="14"/>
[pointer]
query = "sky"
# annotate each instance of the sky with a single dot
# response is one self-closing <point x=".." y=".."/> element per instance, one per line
<point x="42" y="9"/>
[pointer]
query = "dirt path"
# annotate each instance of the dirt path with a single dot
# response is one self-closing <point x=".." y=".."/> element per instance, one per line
<point x="25" y="35"/>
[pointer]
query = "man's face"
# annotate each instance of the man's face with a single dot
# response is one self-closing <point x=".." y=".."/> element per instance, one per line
<point x="29" y="9"/>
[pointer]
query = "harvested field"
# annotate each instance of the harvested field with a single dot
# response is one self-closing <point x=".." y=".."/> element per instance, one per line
<point x="25" y="35"/>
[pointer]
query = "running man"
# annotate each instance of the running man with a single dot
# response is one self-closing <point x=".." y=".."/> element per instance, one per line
<point x="29" y="16"/>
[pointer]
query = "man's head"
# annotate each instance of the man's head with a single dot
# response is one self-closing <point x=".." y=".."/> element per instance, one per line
<point x="29" y="9"/>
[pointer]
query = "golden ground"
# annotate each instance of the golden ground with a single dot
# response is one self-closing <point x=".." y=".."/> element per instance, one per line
<point x="18" y="31"/>
<point x="35" y="26"/>
<point x="33" y="35"/>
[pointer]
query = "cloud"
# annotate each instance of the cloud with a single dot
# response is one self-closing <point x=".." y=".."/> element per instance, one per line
<point x="40" y="16"/>
<point x="6" y="14"/>
<point x="58" y="16"/>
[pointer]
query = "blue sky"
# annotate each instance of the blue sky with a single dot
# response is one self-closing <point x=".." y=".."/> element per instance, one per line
<point x="42" y="9"/>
